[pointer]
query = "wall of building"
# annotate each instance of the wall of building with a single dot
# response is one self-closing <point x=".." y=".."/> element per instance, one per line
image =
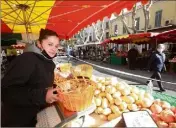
<point x="168" y="12"/>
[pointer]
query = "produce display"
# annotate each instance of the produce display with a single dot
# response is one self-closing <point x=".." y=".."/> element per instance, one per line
<point x="173" y="60"/>
<point x="112" y="98"/>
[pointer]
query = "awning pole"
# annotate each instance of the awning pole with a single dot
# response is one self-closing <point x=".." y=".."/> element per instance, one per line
<point x="156" y="42"/>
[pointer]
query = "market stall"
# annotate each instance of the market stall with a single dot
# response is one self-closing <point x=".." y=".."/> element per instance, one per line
<point x="173" y="65"/>
<point x="118" y="58"/>
<point x="114" y="103"/>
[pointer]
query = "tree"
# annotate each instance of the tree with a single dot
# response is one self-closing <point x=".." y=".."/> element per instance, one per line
<point x="134" y="18"/>
<point x="99" y="30"/>
<point x="146" y="11"/>
<point x="84" y="35"/>
<point x="124" y="21"/>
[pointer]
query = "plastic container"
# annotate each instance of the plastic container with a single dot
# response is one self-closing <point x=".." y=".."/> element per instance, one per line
<point x="82" y="70"/>
<point x="150" y="87"/>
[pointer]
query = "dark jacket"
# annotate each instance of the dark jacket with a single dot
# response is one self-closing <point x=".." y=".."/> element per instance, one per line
<point x="24" y="88"/>
<point x="132" y="54"/>
<point x="156" y="61"/>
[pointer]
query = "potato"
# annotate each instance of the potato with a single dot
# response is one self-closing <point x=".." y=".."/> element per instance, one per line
<point x="96" y="111"/>
<point x="135" y="90"/>
<point x="103" y="88"/>
<point x="97" y="91"/>
<point x="99" y="110"/>
<point x="106" y="111"/>
<point x="108" y="88"/>
<point x="120" y="87"/>
<point x="110" y="99"/>
<point x="118" y="101"/>
<point x="114" y="109"/>
<point x="105" y="103"/>
<point x="103" y="117"/>
<point x="125" y="110"/>
<point x="123" y="106"/>
<point x="125" y="92"/>
<point x="113" y="116"/>
<point x="102" y="94"/>
<point x="135" y="97"/>
<point x="116" y="94"/>
<point x="99" y="85"/>
<point x="146" y="103"/>
<point x="128" y="99"/>
<point x="98" y="101"/>
<point x="132" y="107"/>
<point x="112" y="90"/>
<point x="107" y="82"/>
<point x="139" y="102"/>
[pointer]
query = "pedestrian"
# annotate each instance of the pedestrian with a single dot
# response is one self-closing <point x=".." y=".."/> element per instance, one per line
<point x="132" y="57"/>
<point x="156" y="64"/>
<point x="27" y="85"/>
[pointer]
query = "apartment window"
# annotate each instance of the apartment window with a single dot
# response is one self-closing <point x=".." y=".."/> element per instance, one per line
<point x="90" y="38"/>
<point x="124" y="30"/>
<point x="158" y="16"/>
<point x="137" y="23"/>
<point x="107" y="25"/>
<point x="107" y="35"/>
<point x="115" y="30"/>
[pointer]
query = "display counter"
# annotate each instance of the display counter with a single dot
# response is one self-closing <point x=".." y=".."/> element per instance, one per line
<point x="117" y="60"/>
<point x="57" y="116"/>
<point x="172" y="66"/>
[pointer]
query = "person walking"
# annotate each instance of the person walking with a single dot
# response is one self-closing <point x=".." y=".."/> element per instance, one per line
<point x="27" y="86"/>
<point x="156" y="64"/>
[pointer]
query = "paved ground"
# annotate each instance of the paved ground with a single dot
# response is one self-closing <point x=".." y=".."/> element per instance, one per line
<point x="132" y="80"/>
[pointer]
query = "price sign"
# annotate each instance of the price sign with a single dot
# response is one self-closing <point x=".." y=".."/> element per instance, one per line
<point x="138" y="119"/>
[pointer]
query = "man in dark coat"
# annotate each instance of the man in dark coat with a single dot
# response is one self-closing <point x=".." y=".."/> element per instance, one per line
<point x="156" y="64"/>
<point x="132" y="58"/>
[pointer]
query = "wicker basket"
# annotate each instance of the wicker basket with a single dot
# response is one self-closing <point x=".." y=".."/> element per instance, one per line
<point x="75" y="100"/>
<point x="58" y="78"/>
<point x="82" y="70"/>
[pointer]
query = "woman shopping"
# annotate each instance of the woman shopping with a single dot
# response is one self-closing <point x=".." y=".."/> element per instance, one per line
<point x="27" y="84"/>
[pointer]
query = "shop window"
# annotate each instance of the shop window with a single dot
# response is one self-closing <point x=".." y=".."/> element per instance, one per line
<point x="137" y="23"/>
<point x="107" y="35"/>
<point x="107" y="25"/>
<point x="124" y="30"/>
<point x="158" y="16"/>
<point x="90" y="38"/>
<point x="116" y="30"/>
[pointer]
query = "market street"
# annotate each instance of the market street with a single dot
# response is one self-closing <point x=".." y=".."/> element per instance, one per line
<point x="132" y="81"/>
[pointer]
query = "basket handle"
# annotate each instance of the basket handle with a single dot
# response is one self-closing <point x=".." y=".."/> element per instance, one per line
<point x="82" y="77"/>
